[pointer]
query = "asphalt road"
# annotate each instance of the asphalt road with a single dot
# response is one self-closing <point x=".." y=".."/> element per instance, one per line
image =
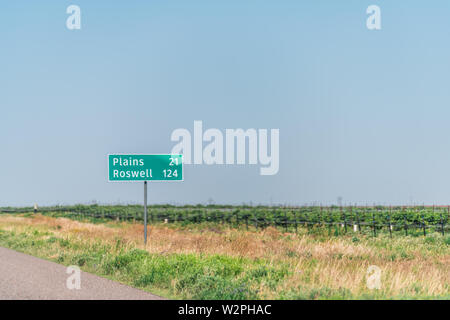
<point x="28" y="278"/>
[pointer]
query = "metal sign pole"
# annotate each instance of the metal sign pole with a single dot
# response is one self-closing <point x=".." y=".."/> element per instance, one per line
<point x="145" y="167"/>
<point x="145" y="212"/>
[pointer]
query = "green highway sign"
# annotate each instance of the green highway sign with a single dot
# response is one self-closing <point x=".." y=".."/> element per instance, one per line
<point x="145" y="167"/>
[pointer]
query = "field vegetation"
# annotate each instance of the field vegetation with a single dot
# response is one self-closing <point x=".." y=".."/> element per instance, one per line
<point x="209" y="260"/>
<point x="363" y="219"/>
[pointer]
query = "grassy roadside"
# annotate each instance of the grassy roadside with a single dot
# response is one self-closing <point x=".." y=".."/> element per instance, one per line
<point x="207" y="262"/>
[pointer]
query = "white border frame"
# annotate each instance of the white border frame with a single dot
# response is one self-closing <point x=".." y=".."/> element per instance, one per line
<point x="145" y="154"/>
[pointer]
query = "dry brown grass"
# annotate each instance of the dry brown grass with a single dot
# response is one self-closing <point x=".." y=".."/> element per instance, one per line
<point x="410" y="266"/>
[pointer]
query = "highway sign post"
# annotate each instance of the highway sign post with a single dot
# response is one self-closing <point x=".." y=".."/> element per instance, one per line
<point x="145" y="167"/>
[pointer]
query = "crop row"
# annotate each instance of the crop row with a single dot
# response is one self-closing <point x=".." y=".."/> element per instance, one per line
<point x="376" y="218"/>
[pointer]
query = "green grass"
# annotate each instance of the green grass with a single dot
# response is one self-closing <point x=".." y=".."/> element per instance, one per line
<point x="220" y="276"/>
<point x="185" y="276"/>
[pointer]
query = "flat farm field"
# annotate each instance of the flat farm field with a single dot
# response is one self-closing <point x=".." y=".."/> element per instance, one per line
<point x="218" y="261"/>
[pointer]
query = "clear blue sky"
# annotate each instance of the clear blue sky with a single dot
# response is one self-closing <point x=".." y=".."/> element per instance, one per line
<point x="362" y="114"/>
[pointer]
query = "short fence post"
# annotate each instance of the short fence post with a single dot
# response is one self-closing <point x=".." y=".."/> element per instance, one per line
<point x="320" y="216"/>
<point x="390" y="226"/>
<point x="358" y="221"/>
<point x="373" y="222"/>
<point x="406" y="225"/>
<point x="295" y="217"/>
<point x="285" y="222"/>
<point x="345" y="222"/>
<point x="424" y="227"/>
<point x="351" y="216"/>
<point x="389" y="221"/>
<point x="329" y="220"/>
<point x="442" y="225"/>
<point x="306" y="222"/>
